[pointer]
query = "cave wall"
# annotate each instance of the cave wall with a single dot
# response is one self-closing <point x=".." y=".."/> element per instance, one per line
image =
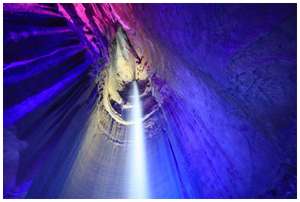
<point x="51" y="58"/>
<point x="224" y="75"/>
<point x="230" y="74"/>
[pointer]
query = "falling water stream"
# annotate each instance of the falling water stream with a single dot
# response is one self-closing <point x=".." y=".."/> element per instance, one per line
<point x="137" y="159"/>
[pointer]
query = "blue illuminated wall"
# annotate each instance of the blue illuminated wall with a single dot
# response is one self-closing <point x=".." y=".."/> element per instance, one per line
<point x="225" y="75"/>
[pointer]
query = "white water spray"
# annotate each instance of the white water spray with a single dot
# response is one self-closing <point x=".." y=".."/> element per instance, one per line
<point x="138" y="186"/>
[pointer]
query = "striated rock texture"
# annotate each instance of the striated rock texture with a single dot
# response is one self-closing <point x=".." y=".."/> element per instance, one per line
<point x="217" y="85"/>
